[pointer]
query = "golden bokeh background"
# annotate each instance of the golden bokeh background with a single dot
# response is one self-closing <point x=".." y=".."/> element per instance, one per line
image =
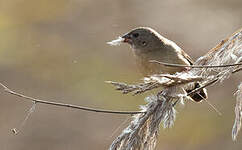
<point x="56" y="50"/>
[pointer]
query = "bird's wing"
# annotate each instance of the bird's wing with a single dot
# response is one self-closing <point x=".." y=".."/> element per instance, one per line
<point x="187" y="57"/>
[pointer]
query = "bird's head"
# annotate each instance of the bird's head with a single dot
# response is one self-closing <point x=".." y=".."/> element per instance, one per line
<point x="143" y="38"/>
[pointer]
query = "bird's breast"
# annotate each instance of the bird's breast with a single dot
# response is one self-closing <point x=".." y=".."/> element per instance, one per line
<point x="147" y="68"/>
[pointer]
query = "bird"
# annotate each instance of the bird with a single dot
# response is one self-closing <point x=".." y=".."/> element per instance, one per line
<point x="148" y="45"/>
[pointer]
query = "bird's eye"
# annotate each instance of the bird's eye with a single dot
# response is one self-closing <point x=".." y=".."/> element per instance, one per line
<point x="135" y="35"/>
<point x="144" y="43"/>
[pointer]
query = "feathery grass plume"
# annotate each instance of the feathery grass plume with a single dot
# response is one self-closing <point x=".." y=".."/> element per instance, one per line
<point x="116" y="42"/>
<point x="228" y="51"/>
<point x="143" y="131"/>
<point x="238" y="113"/>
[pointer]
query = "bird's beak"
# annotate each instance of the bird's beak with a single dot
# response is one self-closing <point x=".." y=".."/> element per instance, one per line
<point x="127" y="39"/>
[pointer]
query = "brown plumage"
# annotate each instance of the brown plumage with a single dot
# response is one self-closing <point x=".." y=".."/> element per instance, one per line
<point x="149" y="45"/>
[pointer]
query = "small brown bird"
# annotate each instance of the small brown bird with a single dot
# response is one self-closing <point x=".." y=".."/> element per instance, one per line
<point x="147" y="45"/>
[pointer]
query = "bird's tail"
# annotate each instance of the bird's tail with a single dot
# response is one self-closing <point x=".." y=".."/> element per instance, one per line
<point x="198" y="96"/>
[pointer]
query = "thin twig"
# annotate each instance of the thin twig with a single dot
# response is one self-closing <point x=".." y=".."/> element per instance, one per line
<point x="194" y="66"/>
<point x="6" y="89"/>
<point x="211" y="82"/>
<point x="213" y="107"/>
<point x="237" y="70"/>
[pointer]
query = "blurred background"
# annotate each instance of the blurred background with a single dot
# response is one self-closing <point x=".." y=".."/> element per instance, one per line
<point x="56" y="50"/>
